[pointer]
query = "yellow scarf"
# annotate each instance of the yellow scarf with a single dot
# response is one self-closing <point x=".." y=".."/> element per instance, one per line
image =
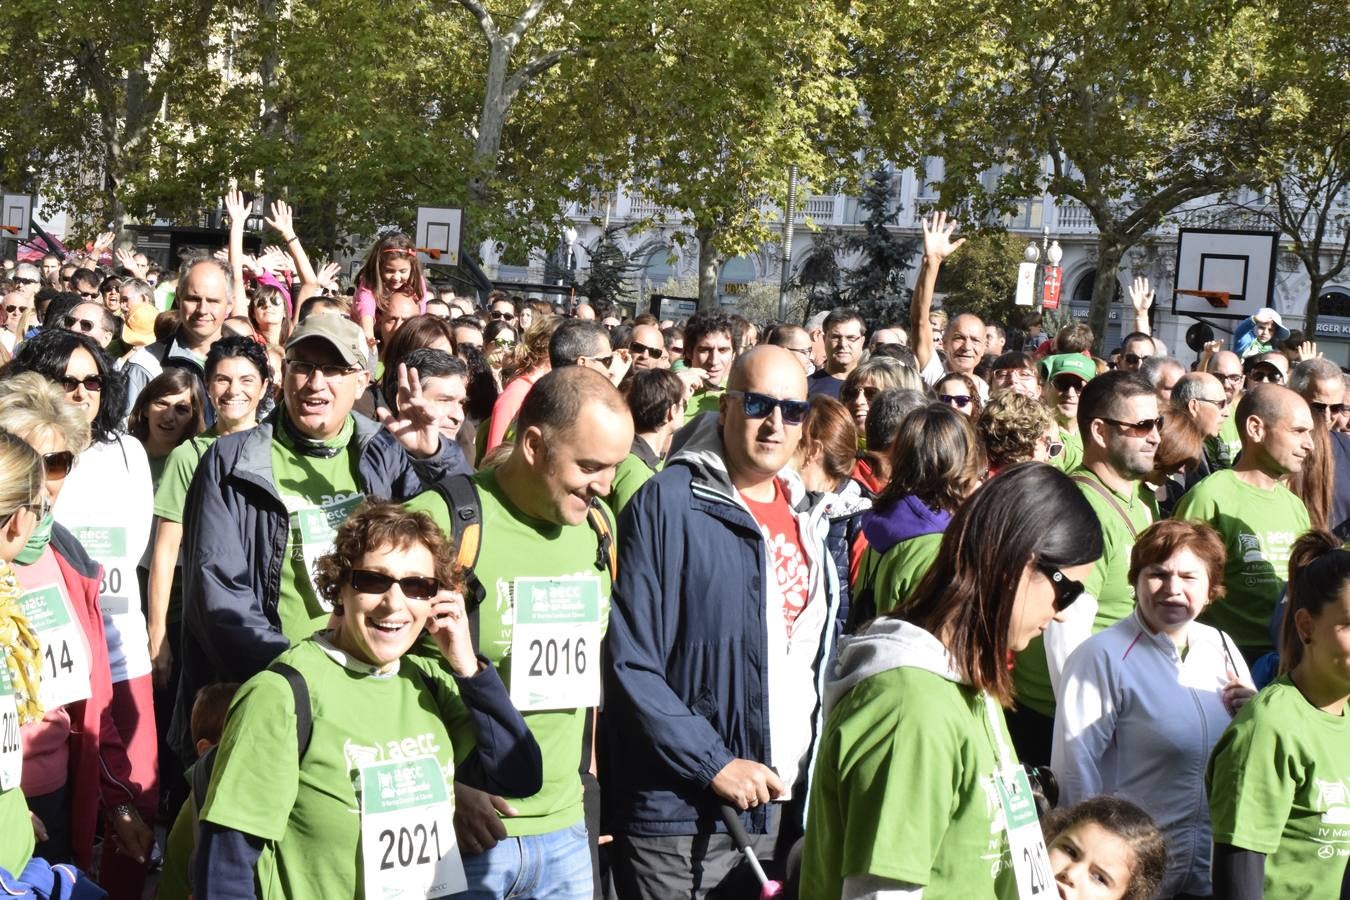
<point x="21" y="648"/>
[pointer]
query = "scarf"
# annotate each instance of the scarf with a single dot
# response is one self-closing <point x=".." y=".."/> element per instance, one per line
<point x="307" y="446"/>
<point x="37" y="542"/>
<point x="21" y="648"/>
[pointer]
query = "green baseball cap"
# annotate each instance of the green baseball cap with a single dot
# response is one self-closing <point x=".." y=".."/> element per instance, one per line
<point x="1073" y="363"/>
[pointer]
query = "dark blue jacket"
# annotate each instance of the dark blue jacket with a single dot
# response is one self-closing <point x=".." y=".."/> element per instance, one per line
<point x="234" y="544"/>
<point x="686" y="684"/>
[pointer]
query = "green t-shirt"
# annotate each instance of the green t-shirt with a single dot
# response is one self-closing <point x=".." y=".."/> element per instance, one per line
<point x="1108" y="582"/>
<point x="896" y="573"/>
<point x="174" y="883"/>
<point x="1222" y="450"/>
<point x="514" y="546"/>
<point x="704" y="400"/>
<point x="16" y="828"/>
<point x="631" y="474"/>
<point x="1279" y="783"/>
<point x="1072" y="457"/>
<point x="904" y="790"/>
<point x="1259" y="528"/>
<point x="308" y="815"/>
<point x="171" y="494"/>
<point x="319" y="493"/>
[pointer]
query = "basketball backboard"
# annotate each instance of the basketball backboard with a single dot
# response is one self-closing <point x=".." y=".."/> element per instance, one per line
<point x="438" y="235"/>
<point x="1213" y="261"/>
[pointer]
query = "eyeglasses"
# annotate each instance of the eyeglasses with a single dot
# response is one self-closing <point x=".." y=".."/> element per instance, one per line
<point x="1234" y="378"/>
<point x="760" y="406"/>
<point x="267" y="301"/>
<point x="16" y="309"/>
<point x="25" y="281"/>
<point x="1066" y="383"/>
<point x="499" y="316"/>
<point x="1220" y="404"/>
<point x="1138" y="429"/>
<point x="1135" y="359"/>
<point x="88" y="295"/>
<point x="303" y="370"/>
<point x="1267" y="376"/>
<point x="602" y="361"/>
<point x="960" y="401"/>
<point x="639" y="349"/>
<point x="414" y="587"/>
<point x="58" y="464"/>
<point x="91" y="383"/>
<point x="1322" y="408"/>
<point x="84" y="326"/>
<point x="1066" y="589"/>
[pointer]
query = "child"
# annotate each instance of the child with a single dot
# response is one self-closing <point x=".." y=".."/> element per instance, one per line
<point x="391" y="266"/>
<point x="1105" y="849"/>
<point x="208" y="723"/>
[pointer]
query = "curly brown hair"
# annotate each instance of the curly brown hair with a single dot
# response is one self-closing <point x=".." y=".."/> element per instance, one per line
<point x="379" y="524"/>
<point x="1010" y="426"/>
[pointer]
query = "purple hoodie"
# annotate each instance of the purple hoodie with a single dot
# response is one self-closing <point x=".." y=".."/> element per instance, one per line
<point x="886" y="526"/>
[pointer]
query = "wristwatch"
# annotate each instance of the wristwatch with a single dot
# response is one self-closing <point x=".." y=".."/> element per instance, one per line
<point x="123" y="811"/>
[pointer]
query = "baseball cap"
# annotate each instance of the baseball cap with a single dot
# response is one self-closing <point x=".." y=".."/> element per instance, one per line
<point x="336" y="330"/>
<point x="138" y="329"/>
<point x="1073" y="363"/>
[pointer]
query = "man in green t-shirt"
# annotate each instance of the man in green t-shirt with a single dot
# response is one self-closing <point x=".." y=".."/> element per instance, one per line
<point x="266" y="502"/>
<point x="545" y="580"/>
<point x="709" y="349"/>
<point x="1220" y="451"/>
<point x="1063" y="378"/>
<point x="1258" y="517"/>
<point x="1121" y="427"/>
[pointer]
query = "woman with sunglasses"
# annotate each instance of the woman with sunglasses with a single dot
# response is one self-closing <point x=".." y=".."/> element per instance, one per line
<point x="870" y="378"/>
<point x="75" y="761"/>
<point x="107" y="504"/>
<point x="1016" y="428"/>
<point x="359" y="801"/>
<point x="960" y="393"/>
<point x="267" y="314"/>
<point x="917" y="787"/>
<point x="936" y="462"/>
<point x="1142" y="703"/>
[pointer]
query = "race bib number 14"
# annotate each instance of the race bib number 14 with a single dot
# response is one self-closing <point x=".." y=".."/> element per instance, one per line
<point x="555" y="643"/>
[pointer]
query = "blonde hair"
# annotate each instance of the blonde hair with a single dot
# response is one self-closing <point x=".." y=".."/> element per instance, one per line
<point x="532" y="350"/>
<point x="33" y="407"/>
<point x="20" y="474"/>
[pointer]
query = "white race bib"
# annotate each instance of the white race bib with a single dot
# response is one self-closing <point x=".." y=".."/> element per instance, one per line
<point x="66" y="663"/>
<point x="315" y="528"/>
<point x="1030" y="859"/>
<point x="408" y="844"/>
<point x="109" y="547"/>
<point x="555" y="643"/>
<point x="11" y="747"/>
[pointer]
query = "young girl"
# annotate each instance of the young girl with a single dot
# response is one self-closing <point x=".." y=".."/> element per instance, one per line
<point x="1104" y="849"/>
<point x="1279" y="778"/>
<point x="390" y="266"/>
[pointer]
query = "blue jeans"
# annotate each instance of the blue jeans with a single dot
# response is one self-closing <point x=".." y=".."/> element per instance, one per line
<point x="552" y="866"/>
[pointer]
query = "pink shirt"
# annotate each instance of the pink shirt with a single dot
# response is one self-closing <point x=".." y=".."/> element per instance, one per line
<point x="507" y="406"/>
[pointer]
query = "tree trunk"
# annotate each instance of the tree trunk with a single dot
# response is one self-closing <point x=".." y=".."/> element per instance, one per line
<point x="709" y="261"/>
<point x="1316" y="281"/>
<point x="491" y="121"/>
<point x="1110" y="250"/>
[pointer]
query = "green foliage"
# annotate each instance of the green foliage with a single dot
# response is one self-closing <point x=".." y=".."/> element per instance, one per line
<point x="981" y="277"/>
<point x="611" y="272"/>
<point x="820" y="274"/>
<point x="876" y="282"/>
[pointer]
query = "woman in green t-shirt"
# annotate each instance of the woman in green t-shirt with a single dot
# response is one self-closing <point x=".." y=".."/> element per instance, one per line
<point x="167" y="412"/>
<point x="916" y="785"/>
<point x="1279" y="779"/>
<point x="352" y="796"/>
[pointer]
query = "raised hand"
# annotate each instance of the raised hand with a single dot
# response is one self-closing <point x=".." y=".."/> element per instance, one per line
<point x="327" y="276"/>
<point x="237" y="207"/>
<point x="449" y="626"/>
<point x="416" y="423"/>
<point x="937" y="237"/>
<point x="282" y="220"/>
<point x="1307" y="350"/>
<point x="1141" y="295"/>
<point x="127" y="260"/>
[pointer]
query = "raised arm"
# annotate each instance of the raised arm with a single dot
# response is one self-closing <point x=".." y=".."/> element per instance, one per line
<point x="937" y="246"/>
<point x="238" y="211"/>
<point x="282" y="220"/>
<point x="1141" y="298"/>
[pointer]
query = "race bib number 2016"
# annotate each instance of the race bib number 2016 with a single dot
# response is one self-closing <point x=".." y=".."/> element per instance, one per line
<point x="408" y="845"/>
<point x="555" y="643"/>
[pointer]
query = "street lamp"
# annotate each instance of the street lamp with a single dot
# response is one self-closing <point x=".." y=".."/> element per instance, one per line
<point x="1053" y="254"/>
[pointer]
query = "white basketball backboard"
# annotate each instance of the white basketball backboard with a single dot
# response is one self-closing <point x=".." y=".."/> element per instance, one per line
<point x="438" y="235"/>
<point x="16" y="211"/>
<point x="1240" y="263"/>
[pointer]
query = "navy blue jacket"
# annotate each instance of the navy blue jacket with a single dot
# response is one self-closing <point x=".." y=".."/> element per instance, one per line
<point x="686" y="684"/>
<point x="234" y="544"/>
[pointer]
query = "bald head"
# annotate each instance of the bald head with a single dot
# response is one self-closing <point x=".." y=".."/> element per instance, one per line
<point x="766" y="364"/>
<point x="964" y="343"/>
<point x="1275" y="425"/>
<point x="650" y="337"/>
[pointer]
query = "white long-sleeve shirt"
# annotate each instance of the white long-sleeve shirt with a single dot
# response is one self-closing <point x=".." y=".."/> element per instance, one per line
<point x="1137" y="721"/>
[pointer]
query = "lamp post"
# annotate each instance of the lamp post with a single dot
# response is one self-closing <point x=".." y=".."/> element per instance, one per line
<point x="1053" y="254"/>
<point x="569" y="234"/>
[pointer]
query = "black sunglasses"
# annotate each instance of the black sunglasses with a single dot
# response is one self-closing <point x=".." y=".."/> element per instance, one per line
<point x="92" y="383"/>
<point x="1066" y="383"/>
<point x="58" y="464"/>
<point x="1137" y="429"/>
<point x="498" y="315"/>
<point x="760" y="406"/>
<point x="1333" y="408"/>
<point x="639" y="349"/>
<point x="1266" y="376"/>
<point x="89" y="295"/>
<point x="25" y="281"/>
<point x="1066" y="589"/>
<point x="604" y="361"/>
<point x="1135" y="359"/>
<point x="414" y="587"/>
<point x="84" y="326"/>
<point x="14" y="309"/>
<point x="961" y="401"/>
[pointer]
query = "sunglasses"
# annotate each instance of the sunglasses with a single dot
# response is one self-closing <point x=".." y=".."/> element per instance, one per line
<point x="604" y="361"/>
<point x="1266" y="376"/>
<point x="88" y="295"/>
<point x="1054" y="448"/>
<point x="1333" y="408"/>
<point x="1137" y="429"/>
<point x="414" y="587"/>
<point x="25" y="281"/>
<point x="499" y="316"/>
<point x="1066" y="383"/>
<point x="1066" y="589"/>
<point x="639" y="349"/>
<point x="84" y="326"/>
<point x="59" y="464"/>
<point x="1135" y="359"/>
<point x="91" y="383"/>
<point x="760" y="406"/>
<point x="960" y="401"/>
<point x="267" y="301"/>
<point x="14" y="309"/>
<point x="1219" y="404"/>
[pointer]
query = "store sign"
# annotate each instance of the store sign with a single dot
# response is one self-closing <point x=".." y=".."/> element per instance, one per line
<point x="1333" y="327"/>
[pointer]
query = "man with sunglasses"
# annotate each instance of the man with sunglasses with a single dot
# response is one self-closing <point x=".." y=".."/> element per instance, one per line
<point x="1201" y="396"/>
<point x="722" y="625"/>
<point x="1257" y="516"/>
<point x="1226" y="366"/>
<point x="27" y="281"/>
<point x="1321" y="383"/>
<point x="1120" y="425"/>
<point x="648" y="347"/>
<point x="266" y="502"/>
<point x="1136" y="348"/>
<point x="92" y="319"/>
<point x="1066" y="374"/>
<point x="502" y="309"/>
<point x="585" y="343"/>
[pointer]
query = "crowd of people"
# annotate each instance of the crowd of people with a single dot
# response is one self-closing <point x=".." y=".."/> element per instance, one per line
<point x="401" y="592"/>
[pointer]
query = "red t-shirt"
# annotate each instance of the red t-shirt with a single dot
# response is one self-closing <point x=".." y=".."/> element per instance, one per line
<point x="788" y="565"/>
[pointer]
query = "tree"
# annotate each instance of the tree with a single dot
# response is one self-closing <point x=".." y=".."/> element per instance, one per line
<point x="876" y="282"/>
<point x="611" y="270"/>
<point x="982" y="278"/>
<point x="820" y="277"/>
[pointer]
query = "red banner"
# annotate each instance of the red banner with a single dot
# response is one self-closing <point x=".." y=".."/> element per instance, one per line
<point x="1054" y="278"/>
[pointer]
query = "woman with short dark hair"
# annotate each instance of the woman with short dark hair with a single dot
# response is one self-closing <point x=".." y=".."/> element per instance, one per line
<point x="917" y="786"/>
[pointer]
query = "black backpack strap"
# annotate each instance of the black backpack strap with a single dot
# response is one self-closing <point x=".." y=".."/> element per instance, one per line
<point x="304" y="714"/>
<point x="466" y="525"/>
<point x="606" y="553"/>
